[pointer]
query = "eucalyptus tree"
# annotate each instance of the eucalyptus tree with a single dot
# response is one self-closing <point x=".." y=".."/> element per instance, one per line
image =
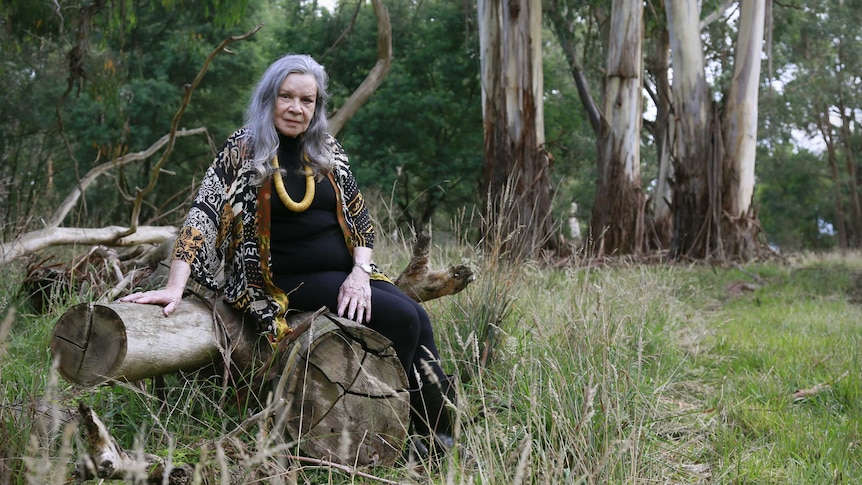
<point x="617" y="223"/>
<point x="516" y="174"/>
<point x="820" y="83"/>
<point x="705" y="175"/>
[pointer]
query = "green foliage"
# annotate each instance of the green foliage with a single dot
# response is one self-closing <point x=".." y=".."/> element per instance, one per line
<point x="420" y="135"/>
<point x="793" y="193"/>
<point x="130" y="65"/>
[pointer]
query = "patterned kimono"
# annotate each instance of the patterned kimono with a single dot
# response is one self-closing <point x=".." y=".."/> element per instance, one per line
<point x="225" y="237"/>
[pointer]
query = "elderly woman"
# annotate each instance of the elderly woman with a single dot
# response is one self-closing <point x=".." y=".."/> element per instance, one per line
<point x="279" y="224"/>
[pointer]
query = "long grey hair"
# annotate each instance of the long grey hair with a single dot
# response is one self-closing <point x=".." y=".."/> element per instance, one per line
<point x="261" y="110"/>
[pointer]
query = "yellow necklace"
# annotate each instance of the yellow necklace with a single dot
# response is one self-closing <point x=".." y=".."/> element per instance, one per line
<point x="292" y="206"/>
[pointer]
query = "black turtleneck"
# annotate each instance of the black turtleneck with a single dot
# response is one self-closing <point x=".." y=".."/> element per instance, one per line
<point x="309" y="241"/>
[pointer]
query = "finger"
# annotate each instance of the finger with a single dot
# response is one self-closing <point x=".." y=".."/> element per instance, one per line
<point x="342" y="305"/>
<point x="365" y="307"/>
<point x="170" y="307"/>
<point x="351" y="311"/>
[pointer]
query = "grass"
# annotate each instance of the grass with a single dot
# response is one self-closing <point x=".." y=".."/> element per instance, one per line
<point x="587" y="374"/>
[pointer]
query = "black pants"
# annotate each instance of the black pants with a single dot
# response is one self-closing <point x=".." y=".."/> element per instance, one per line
<point x="394" y="315"/>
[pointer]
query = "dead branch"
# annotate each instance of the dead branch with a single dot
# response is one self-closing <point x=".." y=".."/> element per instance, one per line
<point x="105" y="459"/>
<point x="92" y="175"/>
<point x="187" y="97"/>
<point x="374" y="78"/>
<point x="34" y="241"/>
<point x="422" y="283"/>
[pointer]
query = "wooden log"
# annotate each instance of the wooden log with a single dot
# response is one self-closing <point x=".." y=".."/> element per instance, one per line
<point x="346" y="400"/>
<point x="94" y="342"/>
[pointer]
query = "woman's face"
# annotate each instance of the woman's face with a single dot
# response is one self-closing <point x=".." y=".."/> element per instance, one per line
<point x="294" y="105"/>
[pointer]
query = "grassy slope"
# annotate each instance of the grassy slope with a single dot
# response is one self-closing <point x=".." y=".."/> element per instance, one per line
<point x="627" y="374"/>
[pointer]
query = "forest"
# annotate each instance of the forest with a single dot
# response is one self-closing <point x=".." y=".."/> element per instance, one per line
<point x="558" y="148"/>
<point x="90" y="82"/>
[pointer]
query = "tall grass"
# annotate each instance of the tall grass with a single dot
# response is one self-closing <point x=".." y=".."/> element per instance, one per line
<point x="585" y="374"/>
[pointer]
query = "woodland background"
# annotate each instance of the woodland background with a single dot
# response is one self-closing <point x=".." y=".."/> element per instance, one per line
<point x="588" y="370"/>
<point x="86" y="82"/>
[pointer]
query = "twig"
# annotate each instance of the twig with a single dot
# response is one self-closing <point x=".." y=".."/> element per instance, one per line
<point x="187" y="97"/>
<point x="92" y="175"/>
<point x="344" y="468"/>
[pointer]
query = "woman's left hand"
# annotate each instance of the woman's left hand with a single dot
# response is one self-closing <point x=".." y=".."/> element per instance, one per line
<point x="354" y="296"/>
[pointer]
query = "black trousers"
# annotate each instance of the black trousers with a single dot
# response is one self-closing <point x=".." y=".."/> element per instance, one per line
<point x="394" y="315"/>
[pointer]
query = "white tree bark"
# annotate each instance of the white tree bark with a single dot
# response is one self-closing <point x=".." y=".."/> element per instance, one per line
<point x="695" y="222"/>
<point x="516" y="173"/>
<point x="740" y="135"/>
<point x="617" y="218"/>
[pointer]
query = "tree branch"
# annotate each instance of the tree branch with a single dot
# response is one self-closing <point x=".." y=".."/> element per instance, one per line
<point x="73" y="197"/>
<point x="374" y="78"/>
<point x="109" y="236"/>
<point x="187" y="97"/>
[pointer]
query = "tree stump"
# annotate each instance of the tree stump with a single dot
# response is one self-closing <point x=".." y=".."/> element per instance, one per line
<point x="346" y="400"/>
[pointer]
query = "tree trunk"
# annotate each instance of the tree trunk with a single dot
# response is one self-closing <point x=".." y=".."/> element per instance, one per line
<point x="617" y="219"/>
<point x="343" y="367"/>
<point x="695" y="224"/>
<point x="659" y="221"/>
<point x="127" y="341"/>
<point x="854" y="233"/>
<point x="375" y="76"/>
<point x="739" y="224"/>
<point x="516" y="173"/>
<point x="825" y="127"/>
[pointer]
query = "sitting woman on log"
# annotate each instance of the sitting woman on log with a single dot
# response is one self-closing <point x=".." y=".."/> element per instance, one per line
<point x="279" y="210"/>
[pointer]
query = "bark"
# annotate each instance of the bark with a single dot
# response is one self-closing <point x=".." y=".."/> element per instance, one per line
<point x="516" y="171"/>
<point x="854" y="238"/>
<point x="34" y="241"/>
<point x="422" y="283"/>
<point x="695" y="224"/>
<point x="825" y="127"/>
<point x="617" y="219"/>
<point x="659" y="219"/>
<point x="739" y="224"/>
<point x="564" y="27"/>
<point x="130" y="342"/>
<point x="375" y="76"/>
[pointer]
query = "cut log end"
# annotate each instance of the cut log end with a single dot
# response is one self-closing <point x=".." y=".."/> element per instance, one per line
<point x="348" y="400"/>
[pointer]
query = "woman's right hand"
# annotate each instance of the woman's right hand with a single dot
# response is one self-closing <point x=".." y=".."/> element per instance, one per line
<point x="169" y="298"/>
<point x="171" y="295"/>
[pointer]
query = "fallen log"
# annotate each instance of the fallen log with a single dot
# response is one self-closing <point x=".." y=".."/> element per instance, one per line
<point x="346" y="401"/>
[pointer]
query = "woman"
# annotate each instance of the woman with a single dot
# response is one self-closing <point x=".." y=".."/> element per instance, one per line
<point x="279" y="223"/>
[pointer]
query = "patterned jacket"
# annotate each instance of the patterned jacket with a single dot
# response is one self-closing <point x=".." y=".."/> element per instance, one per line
<point x="226" y="235"/>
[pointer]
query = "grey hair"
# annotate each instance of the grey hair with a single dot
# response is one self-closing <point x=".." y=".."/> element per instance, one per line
<point x="261" y="110"/>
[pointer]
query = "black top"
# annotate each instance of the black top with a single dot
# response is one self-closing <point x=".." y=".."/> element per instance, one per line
<point x="309" y="241"/>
